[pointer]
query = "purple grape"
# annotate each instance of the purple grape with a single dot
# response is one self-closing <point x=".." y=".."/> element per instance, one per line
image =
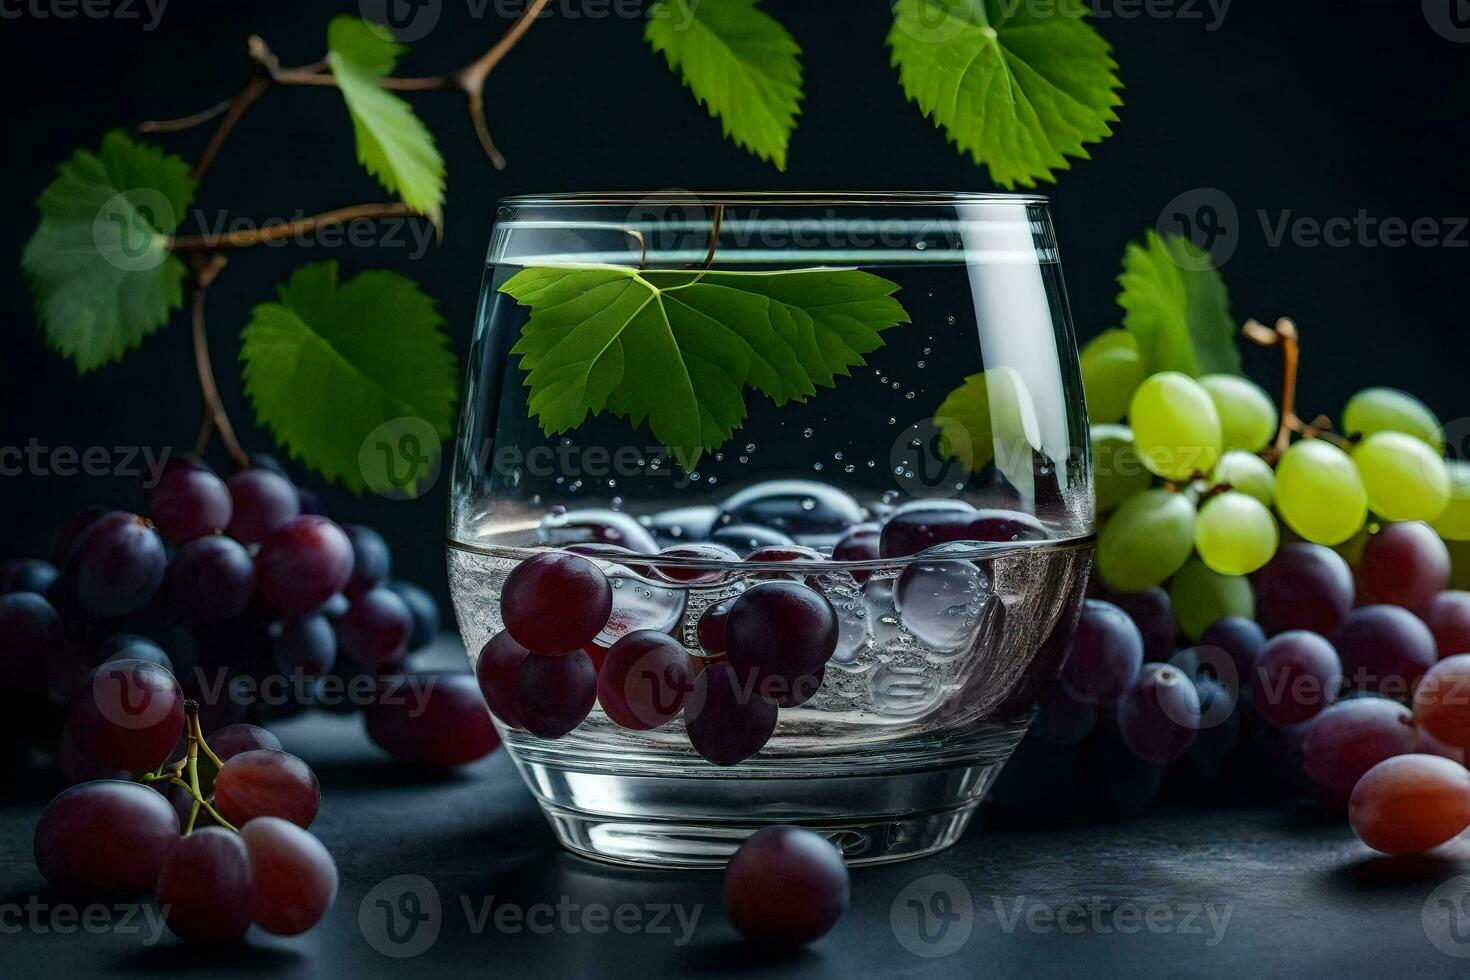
<point x="1107" y="651"/>
<point x="129" y="714"/>
<point x="31" y="638"/>
<point x="232" y="740"/>
<point x="922" y="524"/>
<point x="496" y="669"/>
<point x="555" y="603"/>
<point x="1153" y="613"/>
<point x="1004" y="526"/>
<point x="128" y="646"/>
<point x="1062" y="720"/>
<point x="206" y="887"/>
<point x="105" y="837"/>
<point x="727" y="720"/>
<point x="785" y="887"/>
<point x="745" y="538"/>
<point x="1297" y="675"/>
<point x="371" y="559"/>
<point x="432" y="719"/>
<point x="211" y="580"/>
<point x="596" y="526"/>
<point x="780" y="629"/>
<point x="553" y="695"/>
<point x="1385" y="649"/>
<point x="1127" y="782"/>
<point x="1404" y="564"/>
<point x="1239" y="637"/>
<point x="423" y="608"/>
<point x="1219" y="732"/>
<point x="71" y="531"/>
<point x="307" y="644"/>
<point x="1203" y="664"/>
<point x="266" y="783"/>
<point x="295" y="876"/>
<point x="1305" y="587"/>
<point x="797" y="508"/>
<point x="1448" y="617"/>
<point x="189" y="503"/>
<point x="711" y="627"/>
<point x="858" y="544"/>
<point x="1159" y="716"/>
<point x="116" y="566"/>
<point x="645" y="679"/>
<point x="28" y="575"/>
<point x="78" y="767"/>
<point x="795" y="692"/>
<point x="1353" y="736"/>
<point x="703" y="569"/>
<point x="682" y="524"/>
<point x="375" y="630"/>
<point x="263" y="501"/>
<point x="303" y="563"/>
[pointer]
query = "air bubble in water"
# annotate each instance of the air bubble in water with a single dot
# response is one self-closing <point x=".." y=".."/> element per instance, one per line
<point x="904" y="690"/>
<point x="909" y="394"/>
<point x="807" y="432"/>
<point x="750" y="447"/>
<point x="849" y="468"/>
<point x="808" y="503"/>
<point x="817" y="466"/>
<point x="940" y="599"/>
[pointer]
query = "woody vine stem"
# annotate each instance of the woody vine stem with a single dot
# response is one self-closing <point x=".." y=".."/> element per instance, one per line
<point x="202" y="253"/>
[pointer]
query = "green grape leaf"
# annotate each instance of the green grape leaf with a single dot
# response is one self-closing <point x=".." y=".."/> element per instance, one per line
<point x="677" y="349"/>
<point x="332" y="364"/>
<point x="1176" y="305"/>
<point x="392" y="143"/>
<point x="1112" y="368"/>
<point x="990" y="416"/>
<point x="99" y="263"/>
<point x="1020" y="87"/>
<point x="741" y="64"/>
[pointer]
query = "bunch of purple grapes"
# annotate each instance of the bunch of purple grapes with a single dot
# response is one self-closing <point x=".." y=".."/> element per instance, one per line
<point x="261" y="607"/>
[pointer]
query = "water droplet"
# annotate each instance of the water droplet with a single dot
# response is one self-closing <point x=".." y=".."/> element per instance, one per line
<point x="928" y="350"/>
<point x="817" y="466"/>
<point x="613" y="483"/>
<point x="892" y="420"/>
<point x="744" y="459"/>
<point x="909" y="394"/>
<point x="807" y="432"/>
<point x="921" y="245"/>
<point x="713" y="480"/>
<point x="889" y="496"/>
<point x="719" y="457"/>
<point x="694" y="477"/>
<point x="617" y="502"/>
<point x="898" y="471"/>
<point x="750" y="447"/>
<point x="849" y="468"/>
<point x="952" y="320"/>
<point x="837" y="455"/>
<point x="872" y="463"/>
<point x="558" y="510"/>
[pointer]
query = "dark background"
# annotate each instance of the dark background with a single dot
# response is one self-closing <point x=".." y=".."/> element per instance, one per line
<point x="1319" y="109"/>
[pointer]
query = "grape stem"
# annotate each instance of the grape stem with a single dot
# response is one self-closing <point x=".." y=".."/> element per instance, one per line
<point x="190" y="766"/>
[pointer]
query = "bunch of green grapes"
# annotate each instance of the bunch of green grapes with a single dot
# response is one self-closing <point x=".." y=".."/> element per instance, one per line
<point x="1190" y="496"/>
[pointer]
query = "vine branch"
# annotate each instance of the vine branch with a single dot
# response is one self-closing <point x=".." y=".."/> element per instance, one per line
<point x="203" y="271"/>
<point x="281" y="232"/>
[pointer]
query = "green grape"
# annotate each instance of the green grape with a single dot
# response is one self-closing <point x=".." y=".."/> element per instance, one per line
<point x="1390" y="410"/>
<point x="1247" y="414"/>
<point x="1175" y="426"/>
<point x="1459" y="564"/>
<point x="1146" y="540"/>
<point x="1453" y="523"/>
<point x="1406" y="480"/>
<point x="1248" y="473"/>
<point x="1319" y="493"/>
<point x="1235" y="534"/>
<point x="1112" y="369"/>
<point x="1201" y="596"/>
<point x="1116" y="471"/>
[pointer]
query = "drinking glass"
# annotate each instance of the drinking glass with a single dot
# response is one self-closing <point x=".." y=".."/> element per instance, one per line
<point x="832" y="441"/>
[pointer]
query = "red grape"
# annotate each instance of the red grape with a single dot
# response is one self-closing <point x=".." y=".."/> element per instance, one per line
<point x="1305" y="587"/>
<point x="371" y="559"/>
<point x="232" y="740"/>
<point x="431" y="719"/>
<point x="780" y="629"/>
<point x="793" y="507"/>
<point x="860" y="543"/>
<point x="78" y="767"/>
<point x="1442" y="701"/>
<point x="711" y="627"/>
<point x="295" y="876"/>
<point x="211" y="580"/>
<point x="599" y="527"/>
<point x="708" y="556"/>
<point x="263" y="501"/>
<point x="207" y="887"/>
<point x="645" y="679"/>
<point x="1107" y="651"/>
<point x="555" y="602"/>
<point x="785" y="553"/>
<point x="1159" y="714"/>
<point x="682" y="524"/>
<point x="1428" y="744"/>
<point x="303" y="563"/>
<point x="1384" y="649"/>
<point x="554" y="694"/>
<point x="129" y="714"/>
<point x="266" y="783"/>
<point x="116" y="566"/>
<point x="795" y="692"/>
<point x="1404" y="564"/>
<point x="190" y="502"/>
<point x="1352" y="737"/>
<point x="1448" y="617"/>
<point x="786" y="886"/>
<point x="105" y="837"/>
<point x="745" y="538"/>
<point x="1004" y="526"/>
<point x="1410" y="803"/>
<point x="496" y="669"/>
<point x="1297" y="674"/>
<point x="920" y="525"/>
<point x="130" y="646"/>
<point x="726" y="719"/>
<point x="31" y="639"/>
<point x="376" y="627"/>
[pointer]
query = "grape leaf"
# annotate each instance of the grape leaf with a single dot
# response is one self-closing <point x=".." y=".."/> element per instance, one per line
<point x="330" y="363"/>
<point x="677" y="349"/>
<point x="392" y="143"/>
<point x="1112" y="369"/>
<point x="741" y="64"/>
<point x="990" y="416"/>
<point x="99" y="264"/>
<point x="1020" y="87"/>
<point x="1176" y="305"/>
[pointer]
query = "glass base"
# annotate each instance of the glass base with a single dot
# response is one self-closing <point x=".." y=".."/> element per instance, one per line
<point x="889" y="803"/>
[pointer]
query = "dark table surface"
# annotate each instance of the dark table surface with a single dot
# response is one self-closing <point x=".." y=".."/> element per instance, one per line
<point x="1184" y="891"/>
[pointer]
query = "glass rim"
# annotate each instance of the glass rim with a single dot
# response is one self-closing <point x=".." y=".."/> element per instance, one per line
<point x="774" y="198"/>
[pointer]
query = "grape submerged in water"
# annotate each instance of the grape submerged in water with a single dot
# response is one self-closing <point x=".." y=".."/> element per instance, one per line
<point x="780" y="629"/>
<point x="786" y="886"/>
<point x="727" y="719"/>
<point x="645" y="680"/>
<point x="554" y="603"/>
<point x="496" y="669"/>
<point x="554" y="694"/>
